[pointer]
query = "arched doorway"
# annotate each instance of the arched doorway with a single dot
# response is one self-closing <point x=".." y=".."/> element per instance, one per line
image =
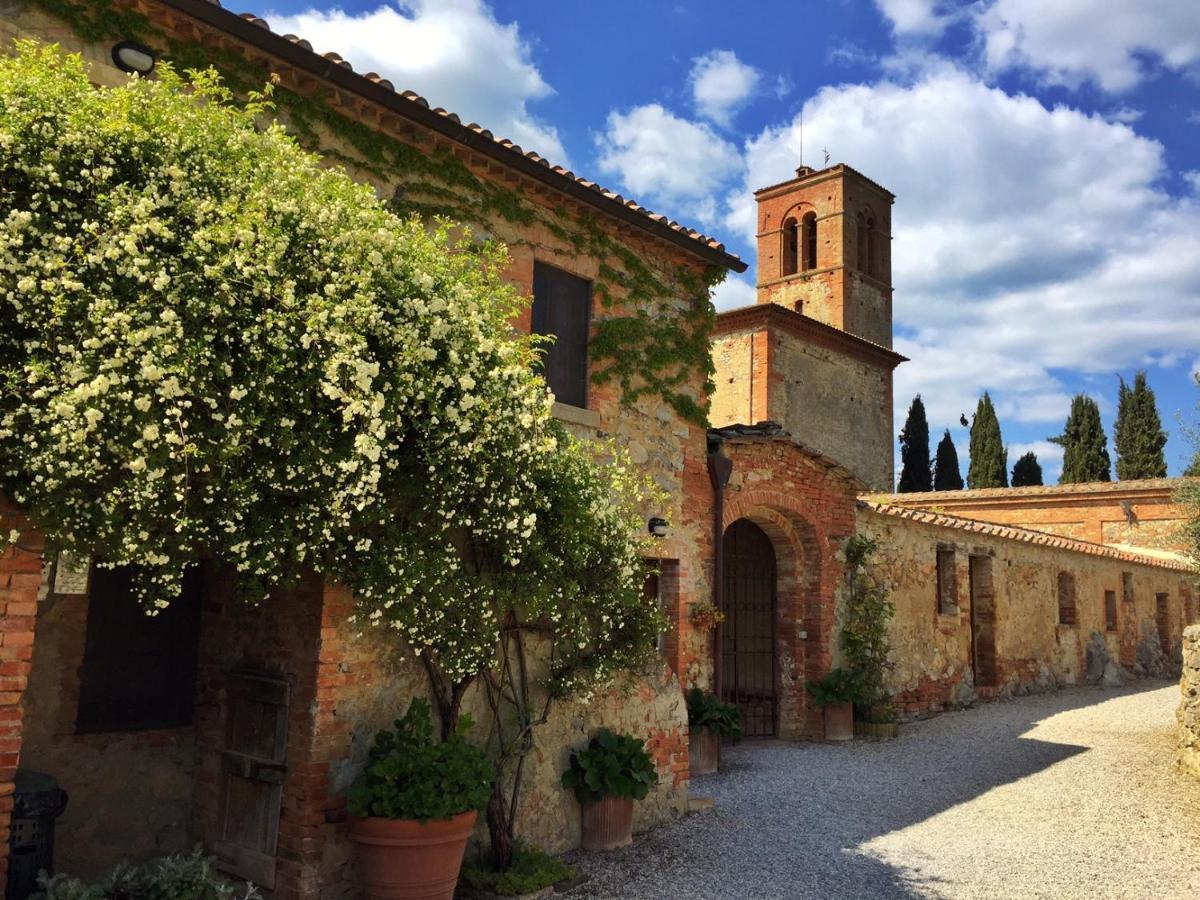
<point x="748" y="646"/>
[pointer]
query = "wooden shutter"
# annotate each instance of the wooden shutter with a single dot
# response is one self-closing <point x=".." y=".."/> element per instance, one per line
<point x="562" y="305"/>
<point x="254" y="763"/>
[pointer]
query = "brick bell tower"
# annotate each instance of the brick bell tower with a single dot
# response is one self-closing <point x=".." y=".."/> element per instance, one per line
<point x="824" y="250"/>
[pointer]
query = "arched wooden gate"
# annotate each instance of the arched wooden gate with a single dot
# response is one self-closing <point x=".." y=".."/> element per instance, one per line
<point x="748" y="644"/>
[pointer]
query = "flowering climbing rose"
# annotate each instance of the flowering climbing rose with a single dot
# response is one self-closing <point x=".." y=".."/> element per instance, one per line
<point x="213" y="344"/>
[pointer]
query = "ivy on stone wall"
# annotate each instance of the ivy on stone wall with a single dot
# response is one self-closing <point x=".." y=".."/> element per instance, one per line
<point x="658" y="342"/>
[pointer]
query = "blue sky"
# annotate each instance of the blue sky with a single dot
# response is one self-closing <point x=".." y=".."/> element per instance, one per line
<point x="1045" y="157"/>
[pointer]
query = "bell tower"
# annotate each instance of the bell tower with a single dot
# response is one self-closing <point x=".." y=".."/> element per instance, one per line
<point x="824" y="250"/>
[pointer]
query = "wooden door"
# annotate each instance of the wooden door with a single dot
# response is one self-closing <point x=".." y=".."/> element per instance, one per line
<point x="983" y="622"/>
<point x="254" y="763"/>
<point x="748" y="645"/>
<point x="1162" y="618"/>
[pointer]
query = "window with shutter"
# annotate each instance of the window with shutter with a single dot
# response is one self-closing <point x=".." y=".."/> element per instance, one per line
<point x="562" y="305"/>
<point x="139" y="671"/>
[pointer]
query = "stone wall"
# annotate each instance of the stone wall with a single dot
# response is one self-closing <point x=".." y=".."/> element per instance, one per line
<point x="1189" y="705"/>
<point x="932" y="651"/>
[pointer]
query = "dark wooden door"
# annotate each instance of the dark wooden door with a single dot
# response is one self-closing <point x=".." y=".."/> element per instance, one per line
<point x="748" y="645"/>
<point x="254" y="763"/>
<point x="1162" y="617"/>
<point x="983" y="622"/>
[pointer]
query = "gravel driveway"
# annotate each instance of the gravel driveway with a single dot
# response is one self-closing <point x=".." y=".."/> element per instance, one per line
<point x="1065" y="795"/>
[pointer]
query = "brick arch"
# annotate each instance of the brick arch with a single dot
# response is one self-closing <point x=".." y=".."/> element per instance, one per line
<point x="803" y="607"/>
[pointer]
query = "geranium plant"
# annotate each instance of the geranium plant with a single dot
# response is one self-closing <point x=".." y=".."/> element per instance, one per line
<point x="612" y="765"/>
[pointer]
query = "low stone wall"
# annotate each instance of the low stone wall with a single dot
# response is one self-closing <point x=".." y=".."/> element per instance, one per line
<point x="1189" y="704"/>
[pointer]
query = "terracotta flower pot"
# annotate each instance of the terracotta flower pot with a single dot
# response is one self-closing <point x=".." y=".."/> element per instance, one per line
<point x="839" y="722"/>
<point x="403" y="859"/>
<point x="607" y="823"/>
<point x="704" y="751"/>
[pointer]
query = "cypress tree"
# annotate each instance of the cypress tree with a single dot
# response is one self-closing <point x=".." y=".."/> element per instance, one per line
<point x="914" y="451"/>
<point x="1085" y="446"/>
<point x="1027" y="472"/>
<point x="1138" y="435"/>
<point x="989" y="458"/>
<point x="946" y="474"/>
<point x="1193" y="469"/>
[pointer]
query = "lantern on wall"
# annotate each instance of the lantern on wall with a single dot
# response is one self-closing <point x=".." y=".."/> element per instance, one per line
<point x="132" y="57"/>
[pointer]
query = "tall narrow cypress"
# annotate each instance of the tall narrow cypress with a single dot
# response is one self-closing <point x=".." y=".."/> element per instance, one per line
<point x="989" y="458"/>
<point x="915" y="473"/>
<point x="946" y="474"/>
<point x="1085" y="447"/>
<point x="1027" y="472"/>
<point x="1138" y="435"/>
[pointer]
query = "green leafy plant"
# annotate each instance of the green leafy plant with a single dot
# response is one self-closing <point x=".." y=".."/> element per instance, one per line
<point x="410" y="776"/>
<point x="707" y="711"/>
<point x="532" y="870"/>
<point x="864" y="636"/>
<point x="612" y="765"/>
<point x="179" y="877"/>
<point x="838" y="687"/>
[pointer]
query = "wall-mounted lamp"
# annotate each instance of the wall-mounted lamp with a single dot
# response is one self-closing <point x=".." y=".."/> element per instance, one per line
<point x="129" y="56"/>
<point x="658" y="526"/>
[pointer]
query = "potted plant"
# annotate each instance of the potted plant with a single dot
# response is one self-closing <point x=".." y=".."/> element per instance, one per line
<point x="607" y="776"/>
<point x="835" y="694"/>
<point x="415" y="806"/>
<point x="709" y="720"/>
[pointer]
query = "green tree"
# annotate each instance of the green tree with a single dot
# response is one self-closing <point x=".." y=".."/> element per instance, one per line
<point x="1138" y="435"/>
<point x="1193" y="469"/>
<point x="946" y="474"/>
<point x="915" y="472"/>
<point x="1027" y="472"/>
<point x="1085" y="446"/>
<point x="989" y="457"/>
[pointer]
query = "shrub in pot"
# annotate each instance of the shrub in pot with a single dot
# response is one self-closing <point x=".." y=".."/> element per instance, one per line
<point x="709" y="721"/>
<point x="414" y="807"/>
<point x="607" y="776"/>
<point x="835" y="695"/>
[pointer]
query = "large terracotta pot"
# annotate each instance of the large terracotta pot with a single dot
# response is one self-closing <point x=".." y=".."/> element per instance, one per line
<point x="402" y="859"/>
<point x="839" y="722"/>
<point x="607" y="823"/>
<point x="704" y="751"/>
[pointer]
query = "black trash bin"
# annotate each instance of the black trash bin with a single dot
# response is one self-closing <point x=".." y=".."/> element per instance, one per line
<point x="37" y="802"/>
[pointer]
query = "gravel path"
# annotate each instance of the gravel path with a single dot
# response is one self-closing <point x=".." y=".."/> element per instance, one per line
<point x="1065" y="795"/>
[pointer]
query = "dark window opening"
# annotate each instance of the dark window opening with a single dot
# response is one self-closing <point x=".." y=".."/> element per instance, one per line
<point x="789" y="255"/>
<point x="1127" y="587"/>
<point x="1110" y="610"/>
<point x="810" y="241"/>
<point x="947" y="582"/>
<point x="872" y="249"/>
<point x="1066" y="599"/>
<point x="139" y="671"/>
<point x="1162" y="620"/>
<point x="562" y="305"/>
<point x="862" y="243"/>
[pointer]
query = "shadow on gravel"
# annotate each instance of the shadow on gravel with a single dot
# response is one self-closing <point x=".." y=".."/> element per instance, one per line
<point x="790" y="817"/>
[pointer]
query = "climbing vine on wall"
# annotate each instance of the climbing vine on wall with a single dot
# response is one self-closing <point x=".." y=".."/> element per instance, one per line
<point x="651" y="333"/>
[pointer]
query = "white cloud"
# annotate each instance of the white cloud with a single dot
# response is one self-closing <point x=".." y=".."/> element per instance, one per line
<point x="923" y="18"/>
<point x="1072" y="41"/>
<point x="732" y="293"/>
<point x="453" y="52"/>
<point x="721" y="83"/>
<point x="659" y="155"/>
<point x="1126" y="115"/>
<point x="1027" y="240"/>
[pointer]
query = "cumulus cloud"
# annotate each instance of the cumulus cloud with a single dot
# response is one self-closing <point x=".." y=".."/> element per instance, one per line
<point x="721" y="84"/>
<point x="1071" y="41"/>
<point x="732" y="293"/>
<point x="668" y="159"/>
<point x="923" y="18"/>
<point x="1028" y="241"/>
<point x="453" y="52"/>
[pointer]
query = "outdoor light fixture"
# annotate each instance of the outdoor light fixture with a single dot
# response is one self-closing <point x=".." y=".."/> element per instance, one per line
<point x="132" y="57"/>
<point x="658" y="527"/>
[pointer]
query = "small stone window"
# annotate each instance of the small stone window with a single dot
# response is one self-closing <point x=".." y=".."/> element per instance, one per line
<point x="1127" y="587"/>
<point x="562" y="307"/>
<point x="139" y="671"/>
<point x="809" y="240"/>
<point x="947" y="582"/>
<point x="1066" y="599"/>
<point x="1110" y="610"/>
<point x="789" y="256"/>
<point x="662" y="587"/>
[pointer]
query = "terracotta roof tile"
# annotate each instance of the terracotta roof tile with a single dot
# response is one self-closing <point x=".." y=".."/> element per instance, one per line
<point x="711" y="243"/>
<point x="1011" y="532"/>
